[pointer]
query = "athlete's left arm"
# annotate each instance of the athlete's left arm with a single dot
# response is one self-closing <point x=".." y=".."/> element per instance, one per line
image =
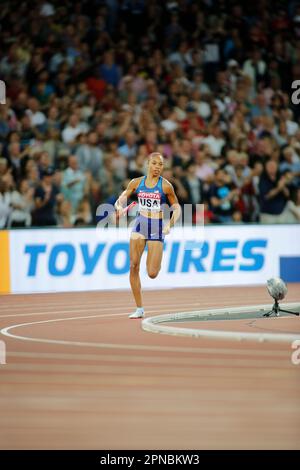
<point x="175" y="207"/>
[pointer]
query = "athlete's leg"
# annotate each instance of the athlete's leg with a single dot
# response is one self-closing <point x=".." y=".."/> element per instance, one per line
<point x="154" y="257"/>
<point x="137" y="246"/>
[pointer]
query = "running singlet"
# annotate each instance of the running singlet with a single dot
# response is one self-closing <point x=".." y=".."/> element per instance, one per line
<point x="150" y="199"/>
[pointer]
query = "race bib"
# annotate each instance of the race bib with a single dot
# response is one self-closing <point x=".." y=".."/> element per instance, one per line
<point x="149" y="201"/>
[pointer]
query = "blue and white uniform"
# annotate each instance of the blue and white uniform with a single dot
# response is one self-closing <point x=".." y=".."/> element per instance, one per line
<point x="151" y="200"/>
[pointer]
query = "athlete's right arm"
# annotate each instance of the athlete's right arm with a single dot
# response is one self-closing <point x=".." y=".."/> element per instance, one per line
<point x="121" y="202"/>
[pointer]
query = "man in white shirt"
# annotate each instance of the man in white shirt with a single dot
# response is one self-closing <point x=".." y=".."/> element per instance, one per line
<point x="37" y="118"/>
<point x="215" y="141"/>
<point x="73" y="129"/>
<point x="73" y="183"/>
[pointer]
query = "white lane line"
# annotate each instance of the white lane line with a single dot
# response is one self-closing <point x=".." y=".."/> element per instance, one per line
<point x="133" y="347"/>
<point x="154" y="325"/>
<point x="60" y="305"/>
<point x="59" y="312"/>
<point x="102" y="309"/>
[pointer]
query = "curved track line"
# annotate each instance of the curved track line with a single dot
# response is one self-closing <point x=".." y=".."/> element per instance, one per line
<point x="133" y="347"/>
<point x="153" y="325"/>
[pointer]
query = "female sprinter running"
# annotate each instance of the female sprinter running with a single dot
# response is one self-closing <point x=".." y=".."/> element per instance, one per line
<point x="152" y="192"/>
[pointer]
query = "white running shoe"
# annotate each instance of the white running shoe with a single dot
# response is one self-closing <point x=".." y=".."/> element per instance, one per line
<point x="139" y="313"/>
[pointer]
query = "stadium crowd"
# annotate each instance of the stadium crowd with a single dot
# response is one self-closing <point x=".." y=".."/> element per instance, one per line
<point x="92" y="87"/>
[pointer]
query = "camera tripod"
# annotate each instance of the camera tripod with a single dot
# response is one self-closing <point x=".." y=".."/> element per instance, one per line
<point x="276" y="309"/>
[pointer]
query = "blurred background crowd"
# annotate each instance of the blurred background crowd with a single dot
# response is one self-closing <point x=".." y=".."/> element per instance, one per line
<point x="94" y="86"/>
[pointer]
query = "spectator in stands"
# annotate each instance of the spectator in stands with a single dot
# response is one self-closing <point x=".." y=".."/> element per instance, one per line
<point x="274" y="193"/>
<point x="109" y="71"/>
<point x="4" y="203"/>
<point x="90" y="155"/>
<point x="111" y="82"/>
<point x="129" y="148"/>
<point x="222" y="197"/>
<point x="46" y="196"/>
<point x="193" y="185"/>
<point x="74" y="183"/>
<point x="21" y="202"/>
<point x="293" y="207"/>
<point x="73" y="129"/>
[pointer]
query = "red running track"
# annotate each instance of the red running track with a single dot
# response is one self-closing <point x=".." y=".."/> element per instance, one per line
<point x="98" y="381"/>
